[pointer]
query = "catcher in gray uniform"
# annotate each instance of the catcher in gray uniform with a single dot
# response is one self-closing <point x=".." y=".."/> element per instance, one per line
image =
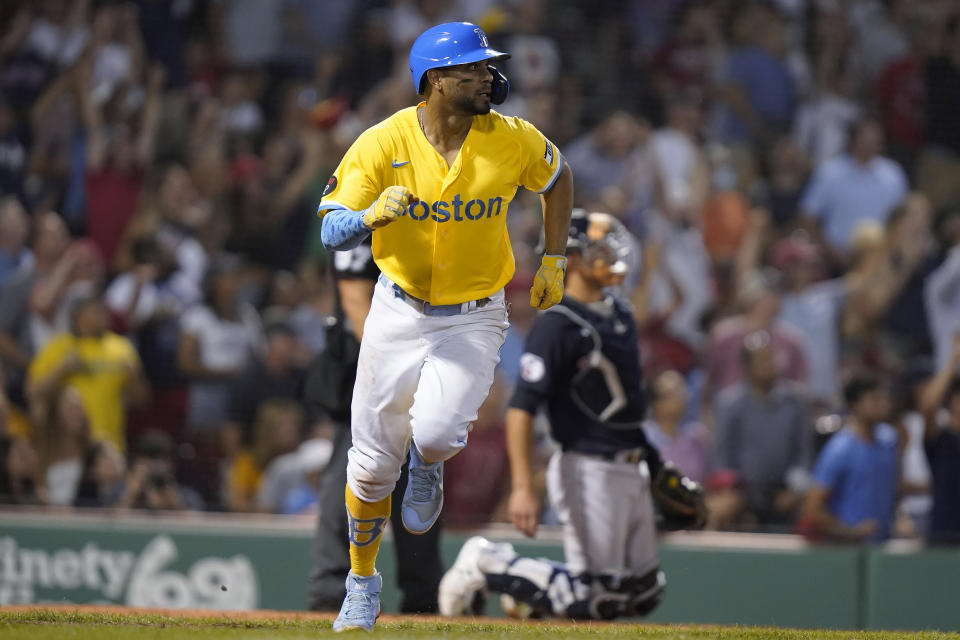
<point x="607" y="483"/>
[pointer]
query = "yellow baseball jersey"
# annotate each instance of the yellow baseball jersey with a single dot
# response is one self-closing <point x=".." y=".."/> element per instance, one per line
<point x="452" y="246"/>
<point x="108" y="361"/>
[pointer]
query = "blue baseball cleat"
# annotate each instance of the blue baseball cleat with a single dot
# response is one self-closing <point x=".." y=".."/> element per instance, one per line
<point x="423" y="499"/>
<point x="361" y="606"/>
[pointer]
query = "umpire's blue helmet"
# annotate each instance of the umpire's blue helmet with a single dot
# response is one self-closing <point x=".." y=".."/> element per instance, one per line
<point x="446" y="45"/>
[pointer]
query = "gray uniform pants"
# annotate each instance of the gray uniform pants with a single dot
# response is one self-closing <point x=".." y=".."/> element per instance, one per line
<point x="607" y="514"/>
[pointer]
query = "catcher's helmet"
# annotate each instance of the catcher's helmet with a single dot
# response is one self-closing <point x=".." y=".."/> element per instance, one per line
<point x="600" y="235"/>
<point x="446" y="45"/>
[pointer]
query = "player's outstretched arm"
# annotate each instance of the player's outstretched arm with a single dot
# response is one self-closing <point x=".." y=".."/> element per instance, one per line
<point x="547" y="289"/>
<point x="524" y="508"/>
<point x="343" y="229"/>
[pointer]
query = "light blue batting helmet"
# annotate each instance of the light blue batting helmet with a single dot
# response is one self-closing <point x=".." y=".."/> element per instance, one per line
<point x="446" y="45"/>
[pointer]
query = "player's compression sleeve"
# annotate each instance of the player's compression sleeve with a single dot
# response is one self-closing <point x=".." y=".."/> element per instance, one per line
<point x="343" y="229"/>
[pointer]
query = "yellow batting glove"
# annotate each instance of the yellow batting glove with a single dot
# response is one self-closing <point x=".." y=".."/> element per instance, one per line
<point x="547" y="287"/>
<point x="388" y="207"/>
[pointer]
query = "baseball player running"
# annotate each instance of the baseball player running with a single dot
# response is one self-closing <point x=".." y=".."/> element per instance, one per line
<point x="433" y="184"/>
<point x="419" y="565"/>
<point x="582" y="363"/>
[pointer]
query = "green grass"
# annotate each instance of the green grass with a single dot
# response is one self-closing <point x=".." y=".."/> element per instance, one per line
<point x="55" y="625"/>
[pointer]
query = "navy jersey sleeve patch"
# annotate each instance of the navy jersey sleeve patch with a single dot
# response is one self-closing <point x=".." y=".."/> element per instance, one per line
<point x="532" y="368"/>
<point x="544" y="355"/>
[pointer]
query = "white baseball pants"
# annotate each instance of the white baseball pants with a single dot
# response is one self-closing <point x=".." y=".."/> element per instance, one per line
<point x="418" y="376"/>
<point x="607" y="513"/>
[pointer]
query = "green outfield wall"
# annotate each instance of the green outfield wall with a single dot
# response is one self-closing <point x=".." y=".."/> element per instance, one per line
<point x="225" y="562"/>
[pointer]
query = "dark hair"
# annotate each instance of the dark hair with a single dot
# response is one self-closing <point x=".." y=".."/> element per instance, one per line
<point x="155" y="444"/>
<point x="866" y="119"/>
<point x="941" y="217"/>
<point x="278" y="327"/>
<point x="217" y="267"/>
<point x="953" y="390"/>
<point x="858" y="386"/>
<point x="79" y="304"/>
<point x="88" y="491"/>
<point x="145" y="250"/>
<point x="13" y="490"/>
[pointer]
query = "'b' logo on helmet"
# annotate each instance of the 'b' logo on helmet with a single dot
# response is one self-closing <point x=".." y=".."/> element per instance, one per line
<point x="482" y="36"/>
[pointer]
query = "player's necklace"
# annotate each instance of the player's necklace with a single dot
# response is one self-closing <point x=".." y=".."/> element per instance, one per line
<point x="450" y="160"/>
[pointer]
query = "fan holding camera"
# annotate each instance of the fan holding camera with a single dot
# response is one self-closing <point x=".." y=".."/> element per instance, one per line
<point x="152" y="482"/>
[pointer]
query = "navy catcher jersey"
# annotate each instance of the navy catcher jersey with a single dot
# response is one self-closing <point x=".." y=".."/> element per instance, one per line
<point x="558" y="371"/>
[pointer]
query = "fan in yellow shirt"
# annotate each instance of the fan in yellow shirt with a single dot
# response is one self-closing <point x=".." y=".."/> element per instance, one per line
<point x="102" y="366"/>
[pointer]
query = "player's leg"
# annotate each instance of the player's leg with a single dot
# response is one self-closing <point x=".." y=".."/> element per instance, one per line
<point x="646" y="582"/>
<point x="467" y="576"/>
<point x="419" y="565"/>
<point x="528" y="586"/>
<point x="587" y="494"/>
<point x="455" y="379"/>
<point x="537" y="587"/>
<point x="331" y="549"/>
<point x="611" y="570"/>
<point x="391" y="354"/>
<point x="624" y="576"/>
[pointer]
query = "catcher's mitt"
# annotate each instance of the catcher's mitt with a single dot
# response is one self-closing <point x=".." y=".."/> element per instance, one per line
<point x="678" y="500"/>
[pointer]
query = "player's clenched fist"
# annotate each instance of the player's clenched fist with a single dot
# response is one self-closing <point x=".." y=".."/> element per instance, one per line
<point x="547" y="287"/>
<point x="388" y="207"/>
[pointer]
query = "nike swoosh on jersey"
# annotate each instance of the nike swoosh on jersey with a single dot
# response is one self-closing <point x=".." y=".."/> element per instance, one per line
<point x="397" y="165"/>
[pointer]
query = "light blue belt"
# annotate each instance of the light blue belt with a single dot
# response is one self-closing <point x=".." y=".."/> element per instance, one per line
<point x="428" y="309"/>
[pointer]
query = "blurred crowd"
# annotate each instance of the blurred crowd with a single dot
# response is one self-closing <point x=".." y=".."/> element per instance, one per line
<point x="787" y="168"/>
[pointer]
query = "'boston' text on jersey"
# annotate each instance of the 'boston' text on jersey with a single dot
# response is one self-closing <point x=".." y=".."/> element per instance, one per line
<point x="457" y="209"/>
